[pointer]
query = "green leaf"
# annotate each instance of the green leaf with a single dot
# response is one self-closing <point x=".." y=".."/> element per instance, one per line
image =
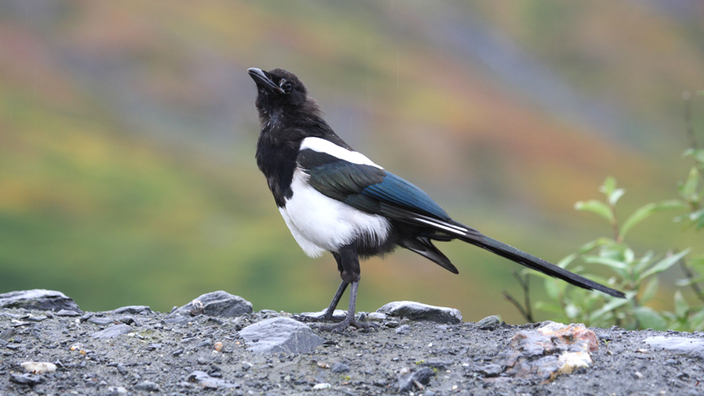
<point x="697" y="154"/>
<point x="607" y="308"/>
<point x="696" y="217"/>
<point x="688" y="189"/>
<point x="596" y="207"/>
<point x="650" y="319"/>
<point x="643" y="262"/>
<point x="663" y="264"/>
<point x="609" y="186"/>
<point x="614" y="251"/>
<point x="612" y="193"/>
<point x="621" y="268"/>
<point x="628" y="256"/>
<point x="681" y="306"/>
<point x="615" y="196"/>
<point x="647" y="210"/>
<point x="697" y="263"/>
<point x="649" y="290"/>
<point x="595" y="243"/>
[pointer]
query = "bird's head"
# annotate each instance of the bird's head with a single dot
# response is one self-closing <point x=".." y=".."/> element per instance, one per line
<point x="278" y="88"/>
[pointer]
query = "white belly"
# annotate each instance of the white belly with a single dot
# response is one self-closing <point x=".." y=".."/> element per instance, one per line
<point x="320" y="224"/>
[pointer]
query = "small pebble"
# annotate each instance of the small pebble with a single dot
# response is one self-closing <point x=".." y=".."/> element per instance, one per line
<point x="38" y="367"/>
<point x="147" y="386"/>
<point x="403" y="329"/>
<point x="339" y="367"/>
<point x="489" y="323"/>
<point x="116" y="391"/>
<point x="25" y="379"/>
<point x="322" y="386"/>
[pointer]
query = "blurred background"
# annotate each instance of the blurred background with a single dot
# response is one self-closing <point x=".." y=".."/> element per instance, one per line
<point x="128" y="132"/>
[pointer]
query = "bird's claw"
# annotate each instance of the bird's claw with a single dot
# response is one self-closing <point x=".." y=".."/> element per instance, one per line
<point x="340" y="327"/>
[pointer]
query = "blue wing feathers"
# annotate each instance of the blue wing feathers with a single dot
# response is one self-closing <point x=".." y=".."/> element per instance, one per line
<point x="398" y="191"/>
<point x="365" y="187"/>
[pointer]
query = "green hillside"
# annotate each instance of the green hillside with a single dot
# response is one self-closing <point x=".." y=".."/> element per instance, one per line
<point x="127" y="134"/>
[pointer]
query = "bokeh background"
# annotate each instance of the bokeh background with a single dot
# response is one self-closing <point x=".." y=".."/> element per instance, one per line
<point x="128" y="132"/>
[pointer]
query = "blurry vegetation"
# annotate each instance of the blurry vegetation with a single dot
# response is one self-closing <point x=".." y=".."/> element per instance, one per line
<point x="639" y="276"/>
<point x="127" y="134"/>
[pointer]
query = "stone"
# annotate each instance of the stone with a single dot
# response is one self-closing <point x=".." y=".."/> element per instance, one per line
<point x="113" y="331"/>
<point x="133" y="310"/>
<point x="147" y="386"/>
<point x="38" y="367"/>
<point x="100" y="321"/>
<point x="684" y="345"/>
<point x="280" y="335"/>
<point x="418" y="311"/>
<point x="338" y="314"/>
<point x="403" y="329"/>
<point x="339" y="367"/>
<point x="67" y="312"/>
<point x="217" y="303"/>
<point x="489" y="323"/>
<point x="549" y="351"/>
<point x="376" y="317"/>
<point x="491" y="370"/>
<point x="421" y="376"/>
<point x="116" y="390"/>
<point x="7" y="334"/>
<point x="26" y="379"/>
<point x="206" y="381"/>
<point x="39" y="299"/>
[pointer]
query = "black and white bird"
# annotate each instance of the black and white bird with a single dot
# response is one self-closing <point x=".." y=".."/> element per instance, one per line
<point x="335" y="199"/>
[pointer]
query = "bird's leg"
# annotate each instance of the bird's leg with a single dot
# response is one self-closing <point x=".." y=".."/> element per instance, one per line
<point x="348" y="264"/>
<point x="335" y="300"/>
<point x="328" y="315"/>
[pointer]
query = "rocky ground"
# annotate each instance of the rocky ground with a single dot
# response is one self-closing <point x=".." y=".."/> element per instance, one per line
<point x="217" y="345"/>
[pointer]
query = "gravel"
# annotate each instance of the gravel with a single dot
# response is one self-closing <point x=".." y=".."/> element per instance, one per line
<point x="135" y="351"/>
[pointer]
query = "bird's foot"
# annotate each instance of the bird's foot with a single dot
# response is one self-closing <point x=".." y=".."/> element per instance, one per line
<point x="347" y="322"/>
<point x="324" y="316"/>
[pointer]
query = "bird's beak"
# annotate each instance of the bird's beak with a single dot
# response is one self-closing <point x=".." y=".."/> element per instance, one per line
<point x="260" y="77"/>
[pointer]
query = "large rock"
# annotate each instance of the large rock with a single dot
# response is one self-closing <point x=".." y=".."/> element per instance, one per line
<point x="217" y="303"/>
<point x="684" y="345"/>
<point x="417" y="311"/>
<point x="280" y="335"/>
<point x="547" y="352"/>
<point x="40" y="299"/>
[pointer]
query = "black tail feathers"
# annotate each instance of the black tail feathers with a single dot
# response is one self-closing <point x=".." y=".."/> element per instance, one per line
<point x="535" y="263"/>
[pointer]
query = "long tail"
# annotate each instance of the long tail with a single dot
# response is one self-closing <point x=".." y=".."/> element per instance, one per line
<point x="460" y="231"/>
<point x="536" y="263"/>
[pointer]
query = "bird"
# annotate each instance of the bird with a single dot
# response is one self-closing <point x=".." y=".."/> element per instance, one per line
<point x="335" y="199"/>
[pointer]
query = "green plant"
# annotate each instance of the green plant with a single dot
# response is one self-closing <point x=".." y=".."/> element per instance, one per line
<point x="635" y="275"/>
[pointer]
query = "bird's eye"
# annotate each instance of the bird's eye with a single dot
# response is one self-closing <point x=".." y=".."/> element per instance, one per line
<point x="285" y="85"/>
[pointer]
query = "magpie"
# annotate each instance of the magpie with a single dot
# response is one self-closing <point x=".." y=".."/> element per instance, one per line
<point x="334" y="199"/>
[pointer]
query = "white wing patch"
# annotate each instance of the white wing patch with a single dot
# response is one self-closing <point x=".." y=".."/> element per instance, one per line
<point x="319" y="223"/>
<point x="328" y="147"/>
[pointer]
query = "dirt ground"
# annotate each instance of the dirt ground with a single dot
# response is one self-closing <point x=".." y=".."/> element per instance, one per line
<point x="161" y="354"/>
